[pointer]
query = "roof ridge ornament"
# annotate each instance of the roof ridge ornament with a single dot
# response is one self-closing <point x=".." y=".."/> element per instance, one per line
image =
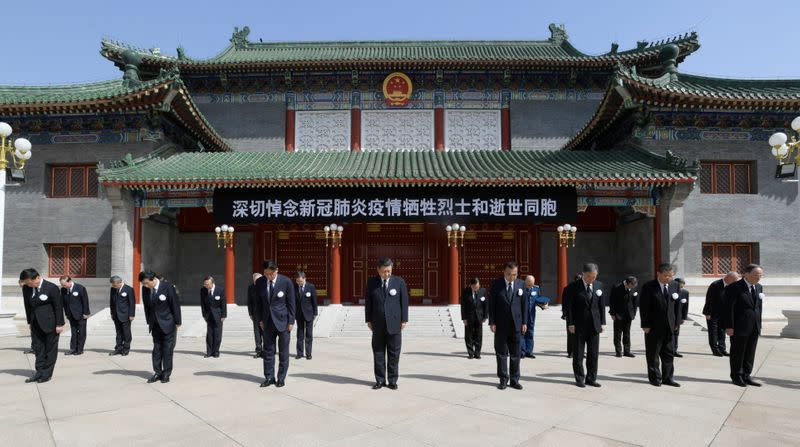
<point x="669" y="59"/>
<point x="239" y="38"/>
<point x="130" y="77"/>
<point x="558" y="33"/>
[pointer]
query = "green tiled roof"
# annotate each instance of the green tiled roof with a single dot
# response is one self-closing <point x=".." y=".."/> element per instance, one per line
<point x="265" y="169"/>
<point x="21" y="94"/>
<point x="556" y="50"/>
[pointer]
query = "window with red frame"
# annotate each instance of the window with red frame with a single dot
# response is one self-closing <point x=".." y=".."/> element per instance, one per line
<point x="78" y="260"/>
<point x="720" y="258"/>
<point x="726" y="177"/>
<point x="73" y="181"/>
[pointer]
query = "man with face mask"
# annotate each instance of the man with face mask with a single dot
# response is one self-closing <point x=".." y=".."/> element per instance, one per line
<point x="386" y="313"/>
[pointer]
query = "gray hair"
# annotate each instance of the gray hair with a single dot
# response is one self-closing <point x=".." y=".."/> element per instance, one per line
<point x="114" y="279"/>
<point x="589" y="267"/>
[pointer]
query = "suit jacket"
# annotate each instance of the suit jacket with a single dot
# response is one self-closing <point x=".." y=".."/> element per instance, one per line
<point x="165" y="307"/>
<point x="278" y="306"/>
<point x="386" y="313"/>
<point x="623" y="302"/>
<point x="657" y="310"/>
<point x="306" y="302"/>
<point x="740" y="310"/>
<point x="252" y="299"/>
<point x="714" y="298"/>
<point x="681" y="307"/>
<point x="148" y="308"/>
<point x="213" y="307"/>
<point x="586" y="312"/>
<point x="76" y="303"/>
<point x="45" y="309"/>
<point x="508" y="313"/>
<point x="474" y="311"/>
<point x="122" y="303"/>
<point x="533" y="299"/>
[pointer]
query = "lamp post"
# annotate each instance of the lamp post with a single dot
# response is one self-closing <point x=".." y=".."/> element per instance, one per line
<point x="566" y="235"/>
<point x="333" y="239"/>
<point x="455" y="234"/>
<point x="20" y="154"/>
<point x="783" y="148"/>
<point x="225" y="239"/>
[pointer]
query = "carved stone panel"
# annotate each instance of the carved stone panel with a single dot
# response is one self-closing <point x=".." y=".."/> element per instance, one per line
<point x="397" y="130"/>
<point x="322" y="131"/>
<point x="472" y="129"/>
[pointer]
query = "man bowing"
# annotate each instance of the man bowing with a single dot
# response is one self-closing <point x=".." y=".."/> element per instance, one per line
<point x="741" y="317"/>
<point x="306" y="311"/>
<point x="657" y="309"/>
<point x="214" y="310"/>
<point x="122" y="304"/>
<point x="76" y="307"/>
<point x="165" y="319"/>
<point x="46" y="319"/>
<point x="275" y="308"/>
<point x="508" y="312"/>
<point x="586" y="318"/>
<point x="474" y="312"/>
<point x="386" y="312"/>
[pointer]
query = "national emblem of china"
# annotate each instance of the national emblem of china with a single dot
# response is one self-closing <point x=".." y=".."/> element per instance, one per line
<point x="397" y="89"/>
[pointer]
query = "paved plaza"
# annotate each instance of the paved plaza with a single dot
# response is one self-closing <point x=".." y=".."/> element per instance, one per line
<point x="444" y="399"/>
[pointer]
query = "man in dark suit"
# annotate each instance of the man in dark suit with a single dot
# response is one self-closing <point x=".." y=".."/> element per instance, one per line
<point x="533" y="299"/>
<point x="275" y="308"/>
<point x="165" y="319"/>
<point x="622" y="308"/>
<point x="681" y="312"/>
<point x="26" y="292"/>
<point x="45" y="313"/>
<point x="76" y="307"/>
<point x="586" y="318"/>
<point x="148" y="310"/>
<point x="386" y="314"/>
<point x="252" y="299"/>
<point x="741" y="318"/>
<point x="657" y="309"/>
<point x="214" y="310"/>
<point x="508" y="312"/>
<point x="474" y="312"/>
<point x="122" y="304"/>
<point x="306" y="306"/>
<point x="564" y="307"/>
<point x="712" y="309"/>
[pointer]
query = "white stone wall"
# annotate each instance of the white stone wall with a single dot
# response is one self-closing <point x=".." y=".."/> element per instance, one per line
<point x="397" y="130"/>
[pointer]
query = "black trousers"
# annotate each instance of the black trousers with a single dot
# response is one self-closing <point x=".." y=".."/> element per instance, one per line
<point x="163" y="349"/>
<point x="570" y="341"/>
<point x="473" y="337"/>
<point x="658" y="346"/>
<point x="305" y="336"/>
<point x="622" y="336"/>
<point x="675" y="335"/>
<point x="270" y="334"/>
<point x="123" y="329"/>
<point x="506" y="344"/>
<point x="45" y="347"/>
<point x="78" y="328"/>
<point x="213" y="336"/>
<point x="385" y="345"/>
<point x="716" y="335"/>
<point x="587" y="342"/>
<point x="258" y="335"/>
<point x="743" y="353"/>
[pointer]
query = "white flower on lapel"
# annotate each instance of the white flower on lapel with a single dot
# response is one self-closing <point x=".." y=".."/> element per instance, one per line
<point x="534" y="293"/>
<point x="74" y="293"/>
<point x="162" y="297"/>
<point x="124" y="293"/>
<point x="393" y="292"/>
<point x="674" y="296"/>
<point x="308" y="294"/>
<point x="598" y="292"/>
<point x="43" y="297"/>
<point x="216" y="297"/>
<point x="683" y="301"/>
<point x="519" y="292"/>
<point x="635" y="293"/>
<point x="280" y="294"/>
<point x="483" y="298"/>
<point x="761" y="296"/>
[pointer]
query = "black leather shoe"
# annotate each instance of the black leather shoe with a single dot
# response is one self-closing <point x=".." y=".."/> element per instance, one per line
<point x="165" y="380"/>
<point x="28" y="351"/>
<point x="477" y="356"/>
<point x="33" y="379"/>
<point x="79" y="353"/>
<point x="70" y="353"/>
<point x="470" y="356"/>
<point x="257" y="355"/>
<point x="594" y="384"/>
<point x="516" y="385"/>
<point x="502" y="386"/>
<point x="580" y="385"/>
<point x="114" y="353"/>
<point x="280" y="384"/>
<point x="265" y="384"/>
<point x="751" y="382"/>
<point x="618" y="355"/>
<point x="679" y="355"/>
<point x="153" y="379"/>
<point x="124" y="353"/>
<point x="739" y="382"/>
<point x="392" y="386"/>
<point x="670" y="383"/>
<point x="655" y="383"/>
<point x="718" y="354"/>
<point x="726" y="353"/>
<point x="298" y="356"/>
<point x="308" y="357"/>
<point x="43" y="380"/>
<point x="216" y="356"/>
<point x="628" y="354"/>
<point x="569" y="356"/>
<point x="377" y="386"/>
<point x="207" y="356"/>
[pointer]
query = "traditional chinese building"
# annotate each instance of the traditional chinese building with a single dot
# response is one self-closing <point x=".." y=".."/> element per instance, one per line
<point x="394" y="141"/>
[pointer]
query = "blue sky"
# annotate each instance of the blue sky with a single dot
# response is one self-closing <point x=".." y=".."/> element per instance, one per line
<point x="48" y="42"/>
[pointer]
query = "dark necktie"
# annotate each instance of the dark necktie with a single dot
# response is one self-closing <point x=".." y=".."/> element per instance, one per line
<point x="753" y="292"/>
<point x="589" y="290"/>
<point x="385" y="286"/>
<point x="271" y="287"/>
<point x="509" y="291"/>
<point x="301" y="290"/>
<point x="474" y="298"/>
<point x="666" y="291"/>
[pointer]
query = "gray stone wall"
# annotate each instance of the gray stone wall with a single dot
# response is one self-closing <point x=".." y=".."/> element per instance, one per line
<point x="33" y="219"/>
<point x="548" y="124"/>
<point x="248" y="126"/>
<point x="767" y="217"/>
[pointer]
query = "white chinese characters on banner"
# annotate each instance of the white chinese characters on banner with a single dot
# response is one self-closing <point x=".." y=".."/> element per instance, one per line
<point x="394" y="207"/>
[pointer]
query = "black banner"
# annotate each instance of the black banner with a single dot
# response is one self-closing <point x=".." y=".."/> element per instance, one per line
<point x="430" y="204"/>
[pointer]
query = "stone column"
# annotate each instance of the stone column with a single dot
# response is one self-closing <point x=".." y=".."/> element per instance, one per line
<point x="671" y="223"/>
<point x="122" y="227"/>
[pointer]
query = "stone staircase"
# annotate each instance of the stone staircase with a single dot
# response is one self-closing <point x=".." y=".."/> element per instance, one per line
<point x="424" y="321"/>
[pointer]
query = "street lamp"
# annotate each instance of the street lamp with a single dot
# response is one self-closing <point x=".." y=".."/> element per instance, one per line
<point x="224" y="236"/>
<point x="566" y="234"/>
<point x="455" y="233"/>
<point x="783" y="148"/>
<point x="333" y="235"/>
<point x="20" y="154"/>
